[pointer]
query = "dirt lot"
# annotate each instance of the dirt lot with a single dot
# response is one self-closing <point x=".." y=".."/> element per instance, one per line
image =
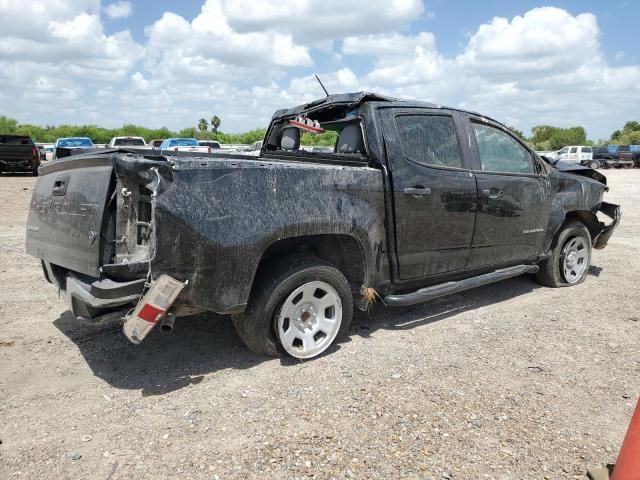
<point x="509" y="381"/>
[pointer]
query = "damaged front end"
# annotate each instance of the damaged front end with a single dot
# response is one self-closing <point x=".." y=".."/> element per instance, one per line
<point x="614" y="212"/>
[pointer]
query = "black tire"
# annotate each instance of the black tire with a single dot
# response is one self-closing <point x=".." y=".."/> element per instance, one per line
<point x="594" y="164"/>
<point x="256" y="326"/>
<point x="551" y="273"/>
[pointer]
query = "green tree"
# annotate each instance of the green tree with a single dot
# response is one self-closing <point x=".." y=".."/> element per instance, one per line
<point x="518" y="133"/>
<point x="7" y="125"/>
<point x="215" y="123"/>
<point x="546" y="137"/>
<point x="203" y="125"/>
<point x="629" y="135"/>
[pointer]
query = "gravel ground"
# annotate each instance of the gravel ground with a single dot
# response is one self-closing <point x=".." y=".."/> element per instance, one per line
<point x="509" y="381"/>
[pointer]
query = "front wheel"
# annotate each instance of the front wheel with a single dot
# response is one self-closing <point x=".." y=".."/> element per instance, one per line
<point x="570" y="258"/>
<point x="299" y="306"/>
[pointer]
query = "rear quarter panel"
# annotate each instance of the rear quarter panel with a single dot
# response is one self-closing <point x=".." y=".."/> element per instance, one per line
<point x="218" y="217"/>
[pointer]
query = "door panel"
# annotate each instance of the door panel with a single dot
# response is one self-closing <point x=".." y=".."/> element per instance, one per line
<point x="511" y="220"/>
<point x="434" y="194"/>
<point x="513" y="200"/>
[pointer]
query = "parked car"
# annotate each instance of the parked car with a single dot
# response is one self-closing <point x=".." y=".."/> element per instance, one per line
<point x="580" y="154"/>
<point x="18" y="153"/>
<point x="254" y="148"/>
<point x="625" y="153"/>
<point x="156" y="143"/>
<point x="67" y="146"/>
<point x="183" y="145"/>
<point x="418" y="201"/>
<point x="47" y="150"/>
<point x="320" y="149"/>
<point x="214" y="145"/>
<point x="603" y="157"/>
<point x="135" y="142"/>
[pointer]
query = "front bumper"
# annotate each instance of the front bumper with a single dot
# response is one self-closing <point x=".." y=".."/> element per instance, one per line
<point x="614" y="212"/>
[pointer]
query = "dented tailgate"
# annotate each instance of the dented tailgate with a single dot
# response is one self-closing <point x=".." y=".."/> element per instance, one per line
<point x="65" y="224"/>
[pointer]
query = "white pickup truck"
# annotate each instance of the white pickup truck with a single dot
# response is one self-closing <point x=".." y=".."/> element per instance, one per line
<point x="184" y="145"/>
<point x="580" y="154"/>
<point x="134" y="142"/>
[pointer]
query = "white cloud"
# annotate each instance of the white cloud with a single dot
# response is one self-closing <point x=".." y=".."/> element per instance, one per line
<point x="119" y="10"/>
<point x="545" y="66"/>
<point x="388" y="47"/>
<point x="313" y="20"/>
<point x="208" y="37"/>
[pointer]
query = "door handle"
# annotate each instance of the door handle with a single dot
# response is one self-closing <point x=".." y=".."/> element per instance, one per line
<point x="417" y="191"/>
<point x="60" y="185"/>
<point x="493" y="193"/>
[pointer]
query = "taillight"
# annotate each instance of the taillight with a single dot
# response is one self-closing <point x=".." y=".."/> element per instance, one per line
<point x="34" y="152"/>
<point x="208" y="149"/>
<point x="175" y="149"/>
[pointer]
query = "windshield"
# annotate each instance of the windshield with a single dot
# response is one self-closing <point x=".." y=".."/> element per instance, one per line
<point x="134" y="142"/>
<point x="75" y="142"/>
<point x="11" y="140"/>
<point x="183" y="142"/>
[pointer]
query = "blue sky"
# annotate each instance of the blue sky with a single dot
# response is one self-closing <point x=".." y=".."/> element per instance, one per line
<point x="166" y="63"/>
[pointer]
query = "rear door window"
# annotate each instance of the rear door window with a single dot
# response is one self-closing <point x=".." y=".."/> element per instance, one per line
<point x="499" y="152"/>
<point x="429" y="140"/>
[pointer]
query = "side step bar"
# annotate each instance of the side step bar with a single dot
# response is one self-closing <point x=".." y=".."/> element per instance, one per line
<point x="429" y="293"/>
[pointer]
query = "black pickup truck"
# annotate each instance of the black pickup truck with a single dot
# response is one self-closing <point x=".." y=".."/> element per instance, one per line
<point x="18" y="153"/>
<point x="414" y="202"/>
<point x="624" y="153"/>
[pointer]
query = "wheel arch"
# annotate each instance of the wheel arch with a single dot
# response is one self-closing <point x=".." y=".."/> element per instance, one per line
<point x="586" y="217"/>
<point x="343" y="251"/>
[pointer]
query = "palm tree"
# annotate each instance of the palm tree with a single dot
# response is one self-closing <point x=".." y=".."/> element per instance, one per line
<point x="215" y="123"/>
<point x="203" y="125"/>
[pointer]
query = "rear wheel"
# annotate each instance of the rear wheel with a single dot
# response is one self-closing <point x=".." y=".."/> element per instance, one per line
<point x="594" y="164"/>
<point x="299" y="307"/>
<point x="570" y="257"/>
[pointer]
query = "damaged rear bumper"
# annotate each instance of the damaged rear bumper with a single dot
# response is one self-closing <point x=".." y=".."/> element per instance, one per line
<point x="89" y="297"/>
<point x="91" y="300"/>
<point x="614" y="212"/>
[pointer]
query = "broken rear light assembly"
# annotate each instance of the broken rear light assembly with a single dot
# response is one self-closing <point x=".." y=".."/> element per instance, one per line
<point x="152" y="308"/>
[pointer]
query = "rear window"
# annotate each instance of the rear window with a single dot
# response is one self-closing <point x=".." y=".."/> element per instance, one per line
<point x="15" y="140"/>
<point x="132" y="142"/>
<point x="183" y="142"/>
<point x="586" y="149"/>
<point x="75" y="142"/>
<point x="429" y="140"/>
